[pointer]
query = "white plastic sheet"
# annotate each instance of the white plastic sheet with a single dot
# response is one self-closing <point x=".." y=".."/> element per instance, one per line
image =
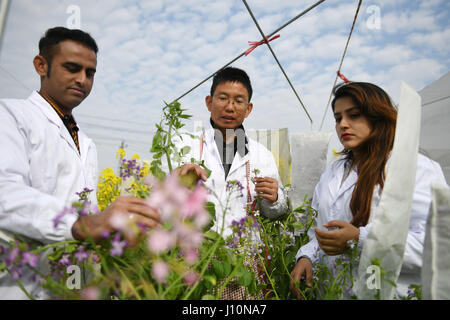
<point x="436" y="252"/>
<point x="387" y="237"/>
<point x="277" y="141"/>
<point x="309" y="161"/>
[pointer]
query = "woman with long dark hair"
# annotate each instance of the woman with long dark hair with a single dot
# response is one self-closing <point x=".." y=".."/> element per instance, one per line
<point x="348" y="192"/>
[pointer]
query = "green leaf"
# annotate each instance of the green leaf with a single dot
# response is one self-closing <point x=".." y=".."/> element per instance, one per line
<point x="156" y="142"/>
<point x="208" y="297"/>
<point x="221" y="268"/>
<point x="157" y="172"/>
<point x="211" y="208"/>
<point x="185" y="150"/>
<point x="202" y="164"/>
<point x="298" y="225"/>
<point x="212" y="235"/>
<point x="245" y="279"/>
<point x="211" y="279"/>
<point x="70" y="248"/>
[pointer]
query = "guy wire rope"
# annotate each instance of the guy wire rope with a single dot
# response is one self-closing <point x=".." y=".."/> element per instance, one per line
<point x="242" y="54"/>
<point x="276" y="59"/>
<point x="340" y="65"/>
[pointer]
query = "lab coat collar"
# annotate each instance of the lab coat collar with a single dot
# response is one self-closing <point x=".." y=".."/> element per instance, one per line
<point x="336" y="187"/>
<point x="54" y="118"/>
<point x="46" y="109"/>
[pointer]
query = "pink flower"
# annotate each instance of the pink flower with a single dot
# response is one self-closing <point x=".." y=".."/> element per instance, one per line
<point x="160" y="240"/>
<point x="30" y="258"/>
<point x="119" y="221"/>
<point x="190" y="255"/>
<point x="167" y="196"/>
<point x="195" y="204"/>
<point x="191" y="278"/>
<point x="202" y="219"/>
<point x="91" y="293"/>
<point x="189" y="237"/>
<point x="178" y="193"/>
<point x="160" y="271"/>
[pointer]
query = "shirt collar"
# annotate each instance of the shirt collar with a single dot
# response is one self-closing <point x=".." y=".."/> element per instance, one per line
<point x="67" y="119"/>
<point x="239" y="135"/>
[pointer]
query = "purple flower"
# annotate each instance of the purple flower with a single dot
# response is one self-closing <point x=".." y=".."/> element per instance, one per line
<point x="81" y="254"/>
<point x="117" y="246"/>
<point x="16" y="272"/>
<point x="30" y="258"/>
<point x="65" y="211"/>
<point x="105" y="234"/>
<point x="11" y="258"/>
<point x="58" y="218"/>
<point x="65" y="260"/>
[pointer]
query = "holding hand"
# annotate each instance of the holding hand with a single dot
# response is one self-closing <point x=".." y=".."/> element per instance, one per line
<point x="334" y="242"/>
<point x="303" y="269"/>
<point x="135" y="209"/>
<point x="192" y="167"/>
<point x="266" y="188"/>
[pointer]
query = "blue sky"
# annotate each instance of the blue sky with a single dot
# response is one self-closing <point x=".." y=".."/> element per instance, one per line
<point x="154" y="50"/>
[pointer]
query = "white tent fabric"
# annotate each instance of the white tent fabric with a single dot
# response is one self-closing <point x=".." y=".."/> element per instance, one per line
<point x="436" y="252"/>
<point x="387" y="236"/>
<point x="435" y="130"/>
<point x="309" y="161"/>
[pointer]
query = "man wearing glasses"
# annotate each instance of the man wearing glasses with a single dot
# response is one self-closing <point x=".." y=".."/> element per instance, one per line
<point x="232" y="156"/>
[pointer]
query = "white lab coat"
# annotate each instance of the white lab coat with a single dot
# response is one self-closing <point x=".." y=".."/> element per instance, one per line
<point x="260" y="158"/>
<point x="40" y="172"/>
<point x="332" y="201"/>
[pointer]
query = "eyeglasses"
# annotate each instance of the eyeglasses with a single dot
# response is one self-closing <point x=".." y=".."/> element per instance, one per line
<point x="223" y="101"/>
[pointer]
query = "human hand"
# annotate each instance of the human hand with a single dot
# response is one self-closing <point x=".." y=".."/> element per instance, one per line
<point x="303" y="269"/>
<point x="192" y="167"/>
<point x="135" y="210"/>
<point x="266" y="188"/>
<point x="334" y="242"/>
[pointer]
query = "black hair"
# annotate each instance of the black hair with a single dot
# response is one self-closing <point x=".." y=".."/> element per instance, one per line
<point x="233" y="75"/>
<point x="56" y="35"/>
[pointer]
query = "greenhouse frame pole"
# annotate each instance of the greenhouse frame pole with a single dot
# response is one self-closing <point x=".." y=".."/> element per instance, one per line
<point x="3" y="13"/>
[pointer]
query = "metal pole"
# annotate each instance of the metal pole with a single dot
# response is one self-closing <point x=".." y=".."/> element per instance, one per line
<point x="276" y="59"/>
<point x="3" y="13"/>
<point x="243" y="53"/>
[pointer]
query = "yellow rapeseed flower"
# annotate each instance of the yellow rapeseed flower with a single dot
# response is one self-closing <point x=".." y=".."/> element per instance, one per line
<point x="335" y="153"/>
<point x="108" y="188"/>
<point x="120" y="153"/>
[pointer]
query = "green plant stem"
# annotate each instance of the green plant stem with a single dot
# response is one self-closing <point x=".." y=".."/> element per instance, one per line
<point x="290" y="276"/>
<point x="57" y="244"/>
<point x="339" y="276"/>
<point x="22" y="287"/>
<point x="129" y="281"/>
<point x="210" y="255"/>
<point x="269" y="277"/>
<point x="228" y="279"/>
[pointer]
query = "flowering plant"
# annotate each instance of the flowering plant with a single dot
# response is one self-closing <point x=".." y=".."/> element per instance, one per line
<point x="183" y="258"/>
